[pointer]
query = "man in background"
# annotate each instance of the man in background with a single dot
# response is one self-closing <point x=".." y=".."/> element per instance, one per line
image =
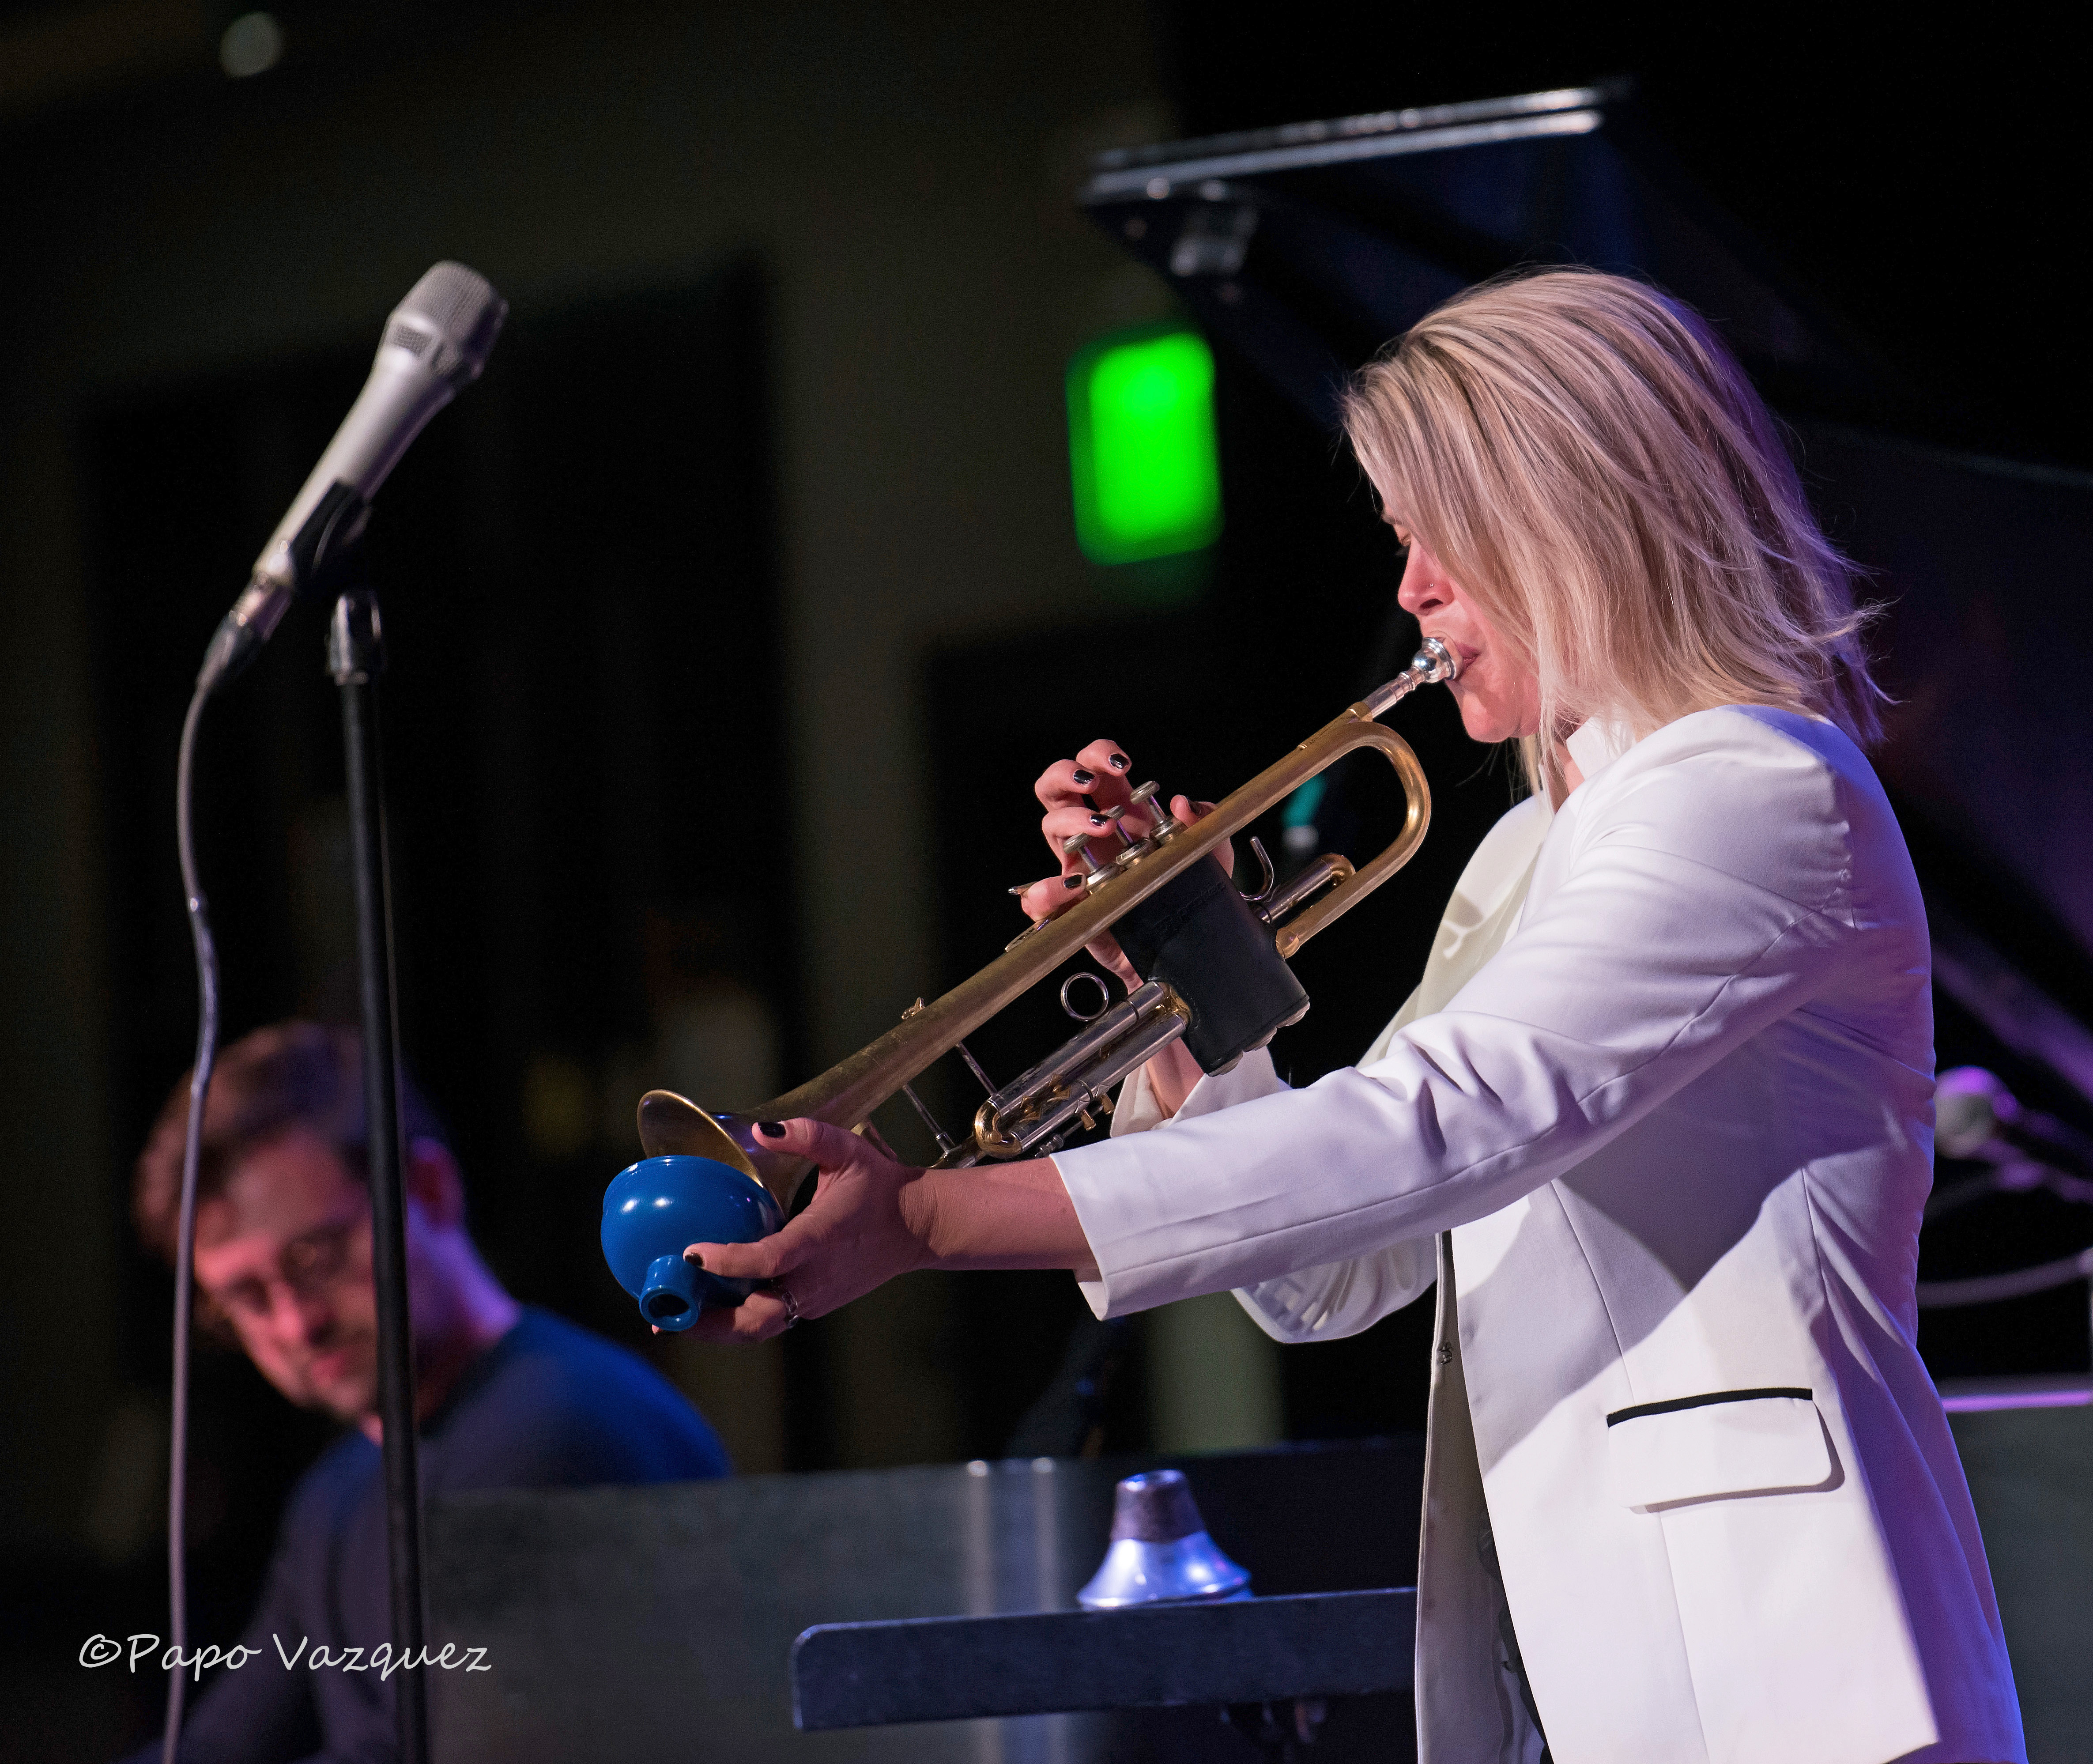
<point x="507" y="1396"/>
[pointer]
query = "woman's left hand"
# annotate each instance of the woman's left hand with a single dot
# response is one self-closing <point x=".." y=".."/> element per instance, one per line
<point x="867" y="1222"/>
<point x="872" y="1218"/>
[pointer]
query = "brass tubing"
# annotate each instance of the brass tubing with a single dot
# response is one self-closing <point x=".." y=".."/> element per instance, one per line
<point x="1353" y="889"/>
<point x="848" y="1092"/>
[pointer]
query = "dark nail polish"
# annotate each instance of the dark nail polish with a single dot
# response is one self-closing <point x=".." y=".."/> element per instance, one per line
<point x="1120" y="762"/>
<point x="694" y="1258"/>
<point x="1085" y="778"/>
<point x="1072" y="881"/>
<point x="1098" y="820"/>
<point x="771" y="1129"/>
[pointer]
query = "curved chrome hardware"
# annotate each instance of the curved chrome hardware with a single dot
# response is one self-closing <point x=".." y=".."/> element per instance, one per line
<point x="1104" y="995"/>
<point x="1317" y="874"/>
<point x="1271" y="875"/>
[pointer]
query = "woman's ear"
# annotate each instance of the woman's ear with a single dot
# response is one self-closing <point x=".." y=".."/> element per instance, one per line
<point x="434" y="1183"/>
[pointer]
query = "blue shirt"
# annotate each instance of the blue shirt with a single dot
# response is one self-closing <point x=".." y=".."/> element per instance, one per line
<point x="548" y="1405"/>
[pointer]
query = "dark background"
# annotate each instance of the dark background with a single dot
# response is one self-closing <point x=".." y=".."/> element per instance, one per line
<point x="733" y="610"/>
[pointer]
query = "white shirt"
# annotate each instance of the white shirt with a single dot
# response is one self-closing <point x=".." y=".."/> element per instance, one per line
<point x="1678" y="1128"/>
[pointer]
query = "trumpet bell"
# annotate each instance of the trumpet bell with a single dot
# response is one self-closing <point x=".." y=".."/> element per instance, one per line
<point x="674" y="1126"/>
<point x="671" y="1124"/>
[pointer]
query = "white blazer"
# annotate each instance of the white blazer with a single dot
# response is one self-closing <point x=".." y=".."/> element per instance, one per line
<point x="1668" y="1091"/>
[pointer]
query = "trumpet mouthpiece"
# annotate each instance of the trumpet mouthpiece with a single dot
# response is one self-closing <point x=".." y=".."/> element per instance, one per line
<point x="1434" y="661"/>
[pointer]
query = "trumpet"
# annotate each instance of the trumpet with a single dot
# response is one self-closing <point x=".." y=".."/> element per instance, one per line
<point x="1155" y="895"/>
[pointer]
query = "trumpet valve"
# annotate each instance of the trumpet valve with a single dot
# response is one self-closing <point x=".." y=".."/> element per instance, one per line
<point x="1117" y="816"/>
<point x="1078" y="845"/>
<point x="1130" y="845"/>
<point x="1148" y="799"/>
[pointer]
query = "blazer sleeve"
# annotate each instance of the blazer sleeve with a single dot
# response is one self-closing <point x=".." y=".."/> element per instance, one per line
<point x="1137" y="1111"/>
<point x="1702" y="890"/>
<point x="1317" y="1303"/>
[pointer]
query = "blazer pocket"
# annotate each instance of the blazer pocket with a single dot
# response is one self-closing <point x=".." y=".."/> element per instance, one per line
<point x="1723" y="1442"/>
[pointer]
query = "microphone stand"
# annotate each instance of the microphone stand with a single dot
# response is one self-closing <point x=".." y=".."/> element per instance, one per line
<point x="356" y="657"/>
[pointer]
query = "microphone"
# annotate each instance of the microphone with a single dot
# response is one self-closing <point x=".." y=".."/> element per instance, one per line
<point x="435" y="342"/>
<point x="1975" y="1116"/>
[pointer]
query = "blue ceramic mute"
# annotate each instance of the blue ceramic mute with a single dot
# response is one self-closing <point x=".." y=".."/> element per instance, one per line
<point x="654" y="1208"/>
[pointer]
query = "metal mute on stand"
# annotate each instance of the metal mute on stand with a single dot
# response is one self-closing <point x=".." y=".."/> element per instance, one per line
<point x="1160" y="1553"/>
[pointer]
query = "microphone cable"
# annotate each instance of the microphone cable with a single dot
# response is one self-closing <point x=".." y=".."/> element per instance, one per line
<point x="206" y="1057"/>
<point x="435" y="342"/>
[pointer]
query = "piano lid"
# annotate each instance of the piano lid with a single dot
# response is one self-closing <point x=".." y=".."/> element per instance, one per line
<point x="1308" y="247"/>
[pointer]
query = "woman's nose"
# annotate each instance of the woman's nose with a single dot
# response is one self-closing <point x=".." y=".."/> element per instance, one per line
<point x="1420" y="591"/>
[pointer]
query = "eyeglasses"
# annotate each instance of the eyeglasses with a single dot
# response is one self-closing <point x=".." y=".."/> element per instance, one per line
<point x="309" y="1264"/>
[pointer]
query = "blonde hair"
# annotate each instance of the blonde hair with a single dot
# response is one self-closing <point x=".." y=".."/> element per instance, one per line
<point x="1589" y="462"/>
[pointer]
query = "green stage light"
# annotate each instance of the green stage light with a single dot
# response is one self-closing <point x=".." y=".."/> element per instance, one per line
<point x="1142" y="455"/>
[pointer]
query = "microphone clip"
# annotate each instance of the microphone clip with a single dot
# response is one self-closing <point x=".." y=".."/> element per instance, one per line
<point x="320" y="557"/>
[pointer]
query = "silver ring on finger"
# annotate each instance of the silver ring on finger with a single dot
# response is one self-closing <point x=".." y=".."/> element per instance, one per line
<point x="792" y="1304"/>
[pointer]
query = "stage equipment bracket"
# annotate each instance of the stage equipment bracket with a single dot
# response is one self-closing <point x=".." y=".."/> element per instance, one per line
<point x="1255" y="1651"/>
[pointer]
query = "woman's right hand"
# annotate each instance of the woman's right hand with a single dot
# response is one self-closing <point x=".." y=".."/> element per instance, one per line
<point x="1077" y="795"/>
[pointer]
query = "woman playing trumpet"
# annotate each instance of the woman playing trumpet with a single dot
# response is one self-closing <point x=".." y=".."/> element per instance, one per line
<point x="1657" y="1121"/>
